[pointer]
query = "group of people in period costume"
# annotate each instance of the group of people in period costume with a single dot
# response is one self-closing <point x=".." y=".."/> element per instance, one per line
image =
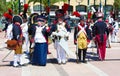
<point x="32" y="38"/>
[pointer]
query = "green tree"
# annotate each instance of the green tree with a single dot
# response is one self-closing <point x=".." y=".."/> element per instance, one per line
<point x="116" y="7"/>
<point x="116" y="4"/>
<point x="13" y="4"/>
<point x="4" y="6"/>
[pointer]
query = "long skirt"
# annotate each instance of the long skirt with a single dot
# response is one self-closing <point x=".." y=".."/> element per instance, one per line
<point x="40" y="54"/>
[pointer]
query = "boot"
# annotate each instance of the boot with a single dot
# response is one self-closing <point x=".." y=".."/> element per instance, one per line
<point x="79" y="54"/>
<point x="15" y="62"/>
<point x="84" y="56"/>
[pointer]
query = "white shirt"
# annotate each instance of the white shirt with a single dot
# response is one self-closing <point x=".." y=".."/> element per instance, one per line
<point x="9" y="32"/>
<point x="39" y="37"/>
<point x="24" y="27"/>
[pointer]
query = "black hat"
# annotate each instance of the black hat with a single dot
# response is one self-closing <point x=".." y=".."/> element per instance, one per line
<point x="24" y="15"/>
<point x="82" y="18"/>
<point x="17" y="19"/>
<point x="59" y="13"/>
<point x="33" y="18"/>
<point x="44" y="16"/>
<point x="40" y="18"/>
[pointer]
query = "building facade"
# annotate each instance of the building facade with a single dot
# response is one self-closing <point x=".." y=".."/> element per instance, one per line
<point x="75" y="5"/>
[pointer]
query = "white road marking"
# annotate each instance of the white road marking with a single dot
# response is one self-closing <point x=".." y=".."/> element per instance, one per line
<point x="96" y="70"/>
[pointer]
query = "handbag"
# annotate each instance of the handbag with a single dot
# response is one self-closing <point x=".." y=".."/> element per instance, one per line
<point x="11" y="44"/>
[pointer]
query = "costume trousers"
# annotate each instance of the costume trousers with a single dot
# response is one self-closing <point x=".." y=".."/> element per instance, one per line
<point x="17" y="55"/>
<point x="82" y="52"/>
<point x="17" y="60"/>
<point x="101" y="47"/>
<point x="61" y="55"/>
<point x="26" y="43"/>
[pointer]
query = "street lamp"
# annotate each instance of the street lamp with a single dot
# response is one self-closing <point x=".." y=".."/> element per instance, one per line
<point x="94" y="3"/>
<point x="69" y="2"/>
<point x="19" y="7"/>
<point x="79" y="1"/>
<point x="68" y="8"/>
<point x="105" y="9"/>
<point x="49" y="12"/>
<point x="88" y="5"/>
<point x="40" y="6"/>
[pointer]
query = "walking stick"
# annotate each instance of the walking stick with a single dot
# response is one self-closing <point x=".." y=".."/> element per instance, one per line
<point x="77" y="58"/>
<point x="6" y="56"/>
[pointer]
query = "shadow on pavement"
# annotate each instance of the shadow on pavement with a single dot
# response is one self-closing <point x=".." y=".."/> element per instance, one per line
<point x="52" y="60"/>
<point x="91" y="56"/>
<point x="112" y="59"/>
<point x="8" y="64"/>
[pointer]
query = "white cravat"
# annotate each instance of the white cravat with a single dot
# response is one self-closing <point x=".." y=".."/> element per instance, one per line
<point x="39" y="37"/>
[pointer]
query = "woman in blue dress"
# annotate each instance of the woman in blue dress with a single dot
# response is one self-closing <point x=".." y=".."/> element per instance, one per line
<point x="40" y="37"/>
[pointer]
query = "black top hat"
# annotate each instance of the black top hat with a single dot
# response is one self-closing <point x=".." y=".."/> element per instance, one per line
<point x="17" y="19"/>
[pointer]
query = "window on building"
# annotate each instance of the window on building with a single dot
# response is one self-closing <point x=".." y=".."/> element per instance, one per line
<point x="38" y="8"/>
<point x="109" y="7"/>
<point x="81" y="8"/>
<point x="70" y="9"/>
<point x="54" y="7"/>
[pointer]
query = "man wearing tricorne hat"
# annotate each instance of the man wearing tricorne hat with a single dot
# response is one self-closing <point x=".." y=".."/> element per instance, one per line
<point x="60" y="33"/>
<point x="80" y="40"/>
<point x="99" y="32"/>
<point x="39" y="37"/>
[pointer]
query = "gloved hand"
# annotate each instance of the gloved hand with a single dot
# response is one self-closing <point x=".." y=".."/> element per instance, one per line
<point x="54" y="33"/>
<point x="66" y="35"/>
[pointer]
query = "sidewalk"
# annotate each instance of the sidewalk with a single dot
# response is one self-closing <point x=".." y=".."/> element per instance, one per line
<point x="109" y="67"/>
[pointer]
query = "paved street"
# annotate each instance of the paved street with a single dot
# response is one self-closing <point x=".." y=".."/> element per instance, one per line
<point x="109" y="67"/>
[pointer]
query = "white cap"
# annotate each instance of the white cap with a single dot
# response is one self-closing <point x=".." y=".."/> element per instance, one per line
<point x="100" y="14"/>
